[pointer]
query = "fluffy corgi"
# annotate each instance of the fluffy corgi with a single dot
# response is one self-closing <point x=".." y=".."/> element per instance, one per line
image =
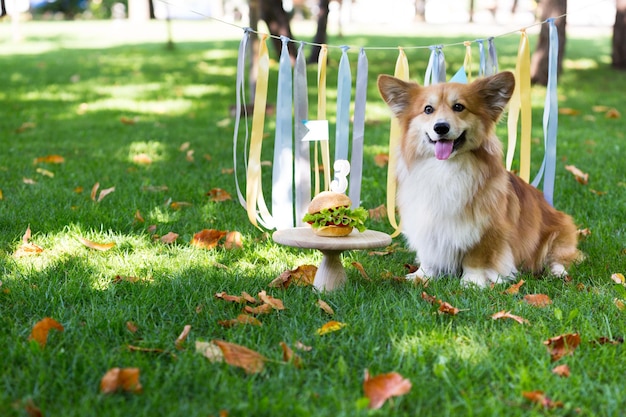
<point x="461" y="210"/>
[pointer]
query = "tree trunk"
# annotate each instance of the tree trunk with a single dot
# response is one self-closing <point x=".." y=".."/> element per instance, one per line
<point x="619" y="36"/>
<point x="321" y="35"/>
<point x="3" y="9"/>
<point x="539" y="60"/>
<point x="277" y="20"/>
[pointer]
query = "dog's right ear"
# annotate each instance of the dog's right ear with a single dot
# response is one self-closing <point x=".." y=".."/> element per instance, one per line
<point x="397" y="94"/>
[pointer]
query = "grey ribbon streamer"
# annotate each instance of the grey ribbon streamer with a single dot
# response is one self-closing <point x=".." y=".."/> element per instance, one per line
<point x="436" y="70"/>
<point x="241" y="104"/>
<point x="483" y="61"/>
<point x="344" y="87"/>
<point x="358" y="129"/>
<point x="492" y="61"/>
<point x="302" y="161"/>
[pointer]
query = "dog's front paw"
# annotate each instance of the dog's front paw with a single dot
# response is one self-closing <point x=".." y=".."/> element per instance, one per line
<point x="558" y="270"/>
<point x="481" y="278"/>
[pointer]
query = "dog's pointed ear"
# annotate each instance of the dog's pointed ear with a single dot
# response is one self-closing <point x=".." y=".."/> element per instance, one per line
<point x="397" y="94"/>
<point x="496" y="91"/>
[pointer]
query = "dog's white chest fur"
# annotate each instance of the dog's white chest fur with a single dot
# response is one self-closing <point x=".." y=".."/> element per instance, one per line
<point x="434" y="199"/>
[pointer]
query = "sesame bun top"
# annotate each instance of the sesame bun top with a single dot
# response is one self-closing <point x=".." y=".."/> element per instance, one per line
<point x="328" y="200"/>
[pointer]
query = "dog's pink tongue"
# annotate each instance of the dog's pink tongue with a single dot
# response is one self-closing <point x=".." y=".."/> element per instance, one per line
<point x="443" y="149"/>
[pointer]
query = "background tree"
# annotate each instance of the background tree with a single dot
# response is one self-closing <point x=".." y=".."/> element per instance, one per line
<point x="619" y="36"/>
<point x="539" y="60"/>
<point x="321" y="34"/>
<point x="3" y="9"/>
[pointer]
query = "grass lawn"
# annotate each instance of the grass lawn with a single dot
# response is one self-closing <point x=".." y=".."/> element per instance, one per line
<point x="111" y="98"/>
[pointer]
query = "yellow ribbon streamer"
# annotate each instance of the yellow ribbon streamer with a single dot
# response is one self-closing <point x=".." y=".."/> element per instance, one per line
<point x="321" y="115"/>
<point x="401" y="72"/>
<point x="467" y="62"/>
<point x="254" y="192"/>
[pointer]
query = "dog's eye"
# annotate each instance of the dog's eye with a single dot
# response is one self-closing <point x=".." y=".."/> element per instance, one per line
<point x="429" y="109"/>
<point x="458" y="107"/>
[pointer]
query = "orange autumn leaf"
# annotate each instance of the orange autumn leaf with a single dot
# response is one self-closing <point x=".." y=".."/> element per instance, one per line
<point x="241" y="319"/>
<point x="447" y="308"/>
<point x="507" y="315"/>
<point x="240" y="356"/>
<point x="563" y="345"/>
<point x="124" y="379"/>
<point x="537" y="300"/>
<point x="361" y="270"/>
<point x="303" y="275"/>
<point x="377" y="213"/>
<point x="561" y="370"/>
<point x="142" y="159"/>
<point x="262" y="309"/>
<point x="207" y="238"/>
<point x="218" y="194"/>
<point x="580" y="176"/>
<point x="569" y="111"/>
<point x="325" y="307"/>
<point x="540" y="398"/>
<point x="612" y="113"/>
<point x="139" y="217"/>
<point x="514" y="288"/>
<point x="290" y="356"/>
<point x="331" y="326"/>
<point x="380" y="388"/>
<point x="128" y="120"/>
<point x="429" y="298"/>
<point x="182" y="337"/>
<point x="104" y="193"/>
<point x="131" y="327"/>
<point x="169" y="237"/>
<point x="27" y="248"/>
<point x="49" y="159"/>
<point x="41" y="329"/>
<point x="94" y="191"/>
<point x="276" y="303"/>
<point x="177" y="205"/>
<point x="96" y="246"/>
<point x="381" y="160"/>
<point x="233" y="240"/>
<point x="618" y="278"/>
<point x="235" y="298"/>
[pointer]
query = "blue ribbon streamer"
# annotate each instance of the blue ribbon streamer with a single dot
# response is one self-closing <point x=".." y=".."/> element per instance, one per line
<point x="550" y="119"/>
<point x="344" y="87"/>
<point x="492" y="60"/>
<point x="358" y="129"/>
<point x="282" y="168"/>
<point x="241" y="104"/>
<point x="302" y="163"/>
<point x="436" y="69"/>
<point x="482" y="66"/>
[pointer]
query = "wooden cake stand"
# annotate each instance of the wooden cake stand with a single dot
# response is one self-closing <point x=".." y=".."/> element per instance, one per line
<point x="330" y="274"/>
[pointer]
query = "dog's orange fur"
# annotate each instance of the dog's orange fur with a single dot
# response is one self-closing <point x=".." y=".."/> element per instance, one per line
<point x="461" y="210"/>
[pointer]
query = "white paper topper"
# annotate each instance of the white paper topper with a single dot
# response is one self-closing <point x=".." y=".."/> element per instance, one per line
<point x="317" y="130"/>
<point x="340" y="183"/>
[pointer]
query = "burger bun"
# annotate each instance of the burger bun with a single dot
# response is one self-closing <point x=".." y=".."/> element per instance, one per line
<point x="333" y="231"/>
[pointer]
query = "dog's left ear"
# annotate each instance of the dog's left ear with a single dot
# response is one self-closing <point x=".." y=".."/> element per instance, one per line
<point x="496" y="91"/>
<point x="397" y="94"/>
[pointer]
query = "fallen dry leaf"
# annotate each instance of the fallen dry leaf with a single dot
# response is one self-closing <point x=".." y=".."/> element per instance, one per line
<point x="381" y="160"/>
<point x="207" y="238"/>
<point x="218" y="194"/>
<point x="303" y="275"/>
<point x="618" y="278"/>
<point x="125" y="379"/>
<point x="169" y="237"/>
<point x="289" y="356"/>
<point x="182" y="337"/>
<point x="447" y="308"/>
<point x="361" y="270"/>
<point x="142" y="159"/>
<point x="41" y="329"/>
<point x="104" y="193"/>
<point x="189" y="155"/>
<point x="27" y="248"/>
<point x="96" y="246"/>
<point x="569" y="111"/>
<point x="276" y="303"/>
<point x="139" y="217"/>
<point x="378" y="213"/>
<point x="380" y="388"/>
<point x="29" y="181"/>
<point x="49" y="159"/>
<point x="539" y="397"/>
<point x="128" y="120"/>
<point x="184" y="146"/>
<point x="236" y="355"/>
<point x="603" y="340"/>
<point x="514" y="288"/>
<point x="561" y="370"/>
<point x="243" y="298"/>
<point x="562" y="345"/>
<point x="324" y="306"/>
<point x="233" y="240"/>
<point x="580" y="176"/>
<point x="302" y="346"/>
<point x="507" y="315"/>
<point x="24" y="127"/>
<point x="241" y="319"/>
<point x="331" y="326"/>
<point x="612" y="113"/>
<point x="177" y="205"/>
<point x="132" y="327"/>
<point x="210" y="351"/>
<point x="537" y="300"/>
<point x="620" y="304"/>
<point x="429" y="298"/>
<point x="45" y="172"/>
<point x="262" y="309"/>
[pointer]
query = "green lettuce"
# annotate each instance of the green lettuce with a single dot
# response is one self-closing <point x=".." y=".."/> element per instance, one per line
<point x="340" y="216"/>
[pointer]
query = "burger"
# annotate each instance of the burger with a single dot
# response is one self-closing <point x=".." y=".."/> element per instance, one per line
<point x="329" y="214"/>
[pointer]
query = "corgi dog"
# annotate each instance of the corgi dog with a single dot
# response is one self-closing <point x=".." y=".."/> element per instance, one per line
<point x="461" y="211"/>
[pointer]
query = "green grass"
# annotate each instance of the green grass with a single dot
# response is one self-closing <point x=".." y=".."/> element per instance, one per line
<point x="467" y="364"/>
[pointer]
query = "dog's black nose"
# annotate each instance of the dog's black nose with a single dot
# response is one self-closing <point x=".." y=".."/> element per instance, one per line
<point x="441" y="128"/>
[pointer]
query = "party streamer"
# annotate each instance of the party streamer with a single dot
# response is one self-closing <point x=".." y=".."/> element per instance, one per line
<point x="302" y="163"/>
<point x="358" y="129"/>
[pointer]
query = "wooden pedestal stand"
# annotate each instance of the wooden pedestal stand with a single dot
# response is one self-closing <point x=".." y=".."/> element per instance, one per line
<point x="330" y="274"/>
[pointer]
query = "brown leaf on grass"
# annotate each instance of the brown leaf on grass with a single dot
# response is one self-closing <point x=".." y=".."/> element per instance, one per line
<point x="233" y="240"/>
<point x="41" y="329"/>
<point x="177" y="205"/>
<point x="94" y="191"/>
<point x="429" y="298"/>
<point x="361" y="270"/>
<point x="514" y="288"/>
<point x="537" y="300"/>
<point x="561" y="370"/>
<point x="182" y="336"/>
<point x="169" y="237"/>
<point x="128" y="120"/>
<point x="184" y="146"/>
<point x="29" y="181"/>
<point x="29" y="406"/>
<point x="381" y="160"/>
<point x="569" y="111"/>
<point x="262" y="309"/>
<point x="124" y="379"/>
<point x="189" y="155"/>
<point x="289" y="356"/>
<point x="49" y="159"/>
<point x="142" y="159"/>
<point x="380" y="388"/>
<point x="302" y="346"/>
<point x="125" y="278"/>
<point x="324" y="306"/>
<point x="104" y="193"/>
<point x="45" y="172"/>
<point x="331" y="326"/>
<point x="241" y="319"/>
<point x="276" y="303"/>
<point x="240" y="356"/>
<point x="207" y="238"/>
<point x="303" y="275"/>
<point x="131" y="327"/>
<point x="378" y="213"/>
<point x="583" y="233"/>
<point x="603" y="340"/>
<point x="540" y="398"/>
<point x="139" y="217"/>
<point x="507" y="315"/>
<point x="612" y="113"/>
<point x="243" y="298"/>
<point x="620" y="304"/>
<point x="580" y="176"/>
<point x="219" y="194"/>
<point x="562" y="345"/>
<point x="97" y="246"/>
<point x="27" y="248"/>
<point x="447" y="308"/>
